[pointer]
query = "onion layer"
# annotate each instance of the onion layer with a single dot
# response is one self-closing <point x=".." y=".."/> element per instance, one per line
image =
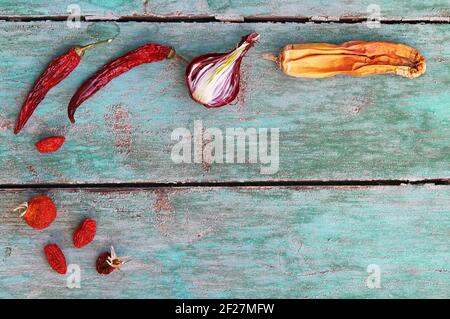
<point x="213" y="79"/>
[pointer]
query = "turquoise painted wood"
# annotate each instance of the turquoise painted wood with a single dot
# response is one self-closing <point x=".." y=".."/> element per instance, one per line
<point x="399" y="8"/>
<point x="251" y="242"/>
<point x="62" y="7"/>
<point x="292" y="8"/>
<point x="277" y="242"/>
<point x="380" y="127"/>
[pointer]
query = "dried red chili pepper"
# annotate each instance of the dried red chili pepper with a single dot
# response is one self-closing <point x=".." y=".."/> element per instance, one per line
<point x="147" y="53"/>
<point x="55" y="72"/>
<point x="56" y="258"/>
<point x="39" y="212"/>
<point x="50" y="144"/>
<point x="107" y="262"/>
<point x="85" y="233"/>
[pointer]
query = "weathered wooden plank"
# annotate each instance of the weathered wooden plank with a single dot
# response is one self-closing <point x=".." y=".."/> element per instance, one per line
<point x="379" y="127"/>
<point x="65" y="7"/>
<point x="290" y="8"/>
<point x="277" y="242"/>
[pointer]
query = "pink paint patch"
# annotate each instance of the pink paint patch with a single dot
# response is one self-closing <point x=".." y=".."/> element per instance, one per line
<point x="33" y="173"/>
<point x="6" y="124"/>
<point x="162" y="202"/>
<point x="119" y="121"/>
<point x="163" y="212"/>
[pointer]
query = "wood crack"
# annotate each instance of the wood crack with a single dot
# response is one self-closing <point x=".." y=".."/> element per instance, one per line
<point x="231" y="184"/>
<point x="229" y="19"/>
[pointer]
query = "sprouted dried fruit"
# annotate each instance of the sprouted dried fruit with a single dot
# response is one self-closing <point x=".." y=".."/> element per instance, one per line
<point x="213" y="79"/>
<point x="107" y="262"/>
<point x="39" y="212"/>
<point x="357" y="58"/>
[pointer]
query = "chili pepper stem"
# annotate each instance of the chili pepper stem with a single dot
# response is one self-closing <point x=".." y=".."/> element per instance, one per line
<point x="270" y="56"/>
<point x="82" y="49"/>
<point x="174" y="54"/>
<point x="182" y="58"/>
<point x="22" y="208"/>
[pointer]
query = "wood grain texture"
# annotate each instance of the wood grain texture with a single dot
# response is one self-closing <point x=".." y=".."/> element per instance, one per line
<point x="292" y="8"/>
<point x="243" y="242"/>
<point x="380" y="127"/>
<point x="61" y="7"/>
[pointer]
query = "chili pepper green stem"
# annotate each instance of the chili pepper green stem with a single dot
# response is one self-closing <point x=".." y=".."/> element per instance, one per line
<point x="82" y="49"/>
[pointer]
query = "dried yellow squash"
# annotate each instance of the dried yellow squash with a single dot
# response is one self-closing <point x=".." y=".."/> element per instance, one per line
<point x="358" y="58"/>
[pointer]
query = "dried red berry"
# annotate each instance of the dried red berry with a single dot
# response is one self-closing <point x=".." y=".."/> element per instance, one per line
<point x="56" y="258"/>
<point x="102" y="265"/>
<point x="85" y="233"/>
<point x="107" y="262"/>
<point x="50" y="144"/>
<point x="39" y="212"/>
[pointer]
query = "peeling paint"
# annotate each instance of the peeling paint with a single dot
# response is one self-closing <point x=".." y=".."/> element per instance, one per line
<point x="6" y="124"/>
<point x="162" y="202"/>
<point x="119" y="121"/>
<point x="34" y="173"/>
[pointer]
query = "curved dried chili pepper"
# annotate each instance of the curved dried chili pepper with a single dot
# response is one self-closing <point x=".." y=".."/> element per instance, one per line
<point x="55" y="72"/>
<point x="147" y="53"/>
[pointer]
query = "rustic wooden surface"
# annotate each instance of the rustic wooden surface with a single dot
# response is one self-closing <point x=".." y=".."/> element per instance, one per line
<point x="381" y="127"/>
<point x="278" y="242"/>
<point x="233" y="241"/>
<point x="270" y="8"/>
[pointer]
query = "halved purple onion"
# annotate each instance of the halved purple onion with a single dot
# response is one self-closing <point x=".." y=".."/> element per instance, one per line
<point x="213" y="78"/>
